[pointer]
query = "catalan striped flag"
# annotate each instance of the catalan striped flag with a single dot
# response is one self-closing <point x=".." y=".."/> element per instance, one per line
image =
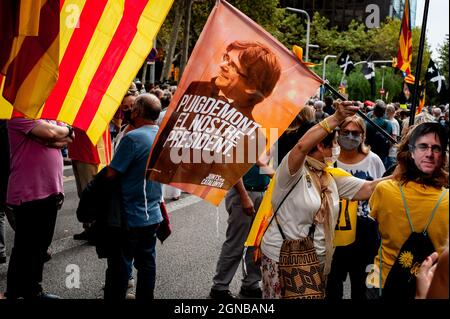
<point x="404" y="53"/>
<point x="421" y="98"/>
<point x="29" y="58"/>
<point x="102" y="46"/>
<point x="409" y="78"/>
<point x="5" y="107"/>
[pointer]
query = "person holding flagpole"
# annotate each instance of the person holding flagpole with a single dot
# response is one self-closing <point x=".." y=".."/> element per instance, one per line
<point x="309" y="196"/>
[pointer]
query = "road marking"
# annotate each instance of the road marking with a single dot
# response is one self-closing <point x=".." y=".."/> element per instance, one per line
<point x="183" y="203"/>
<point x="65" y="243"/>
<point x="68" y="178"/>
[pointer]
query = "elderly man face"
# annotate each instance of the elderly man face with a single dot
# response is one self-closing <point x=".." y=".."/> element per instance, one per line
<point x="427" y="153"/>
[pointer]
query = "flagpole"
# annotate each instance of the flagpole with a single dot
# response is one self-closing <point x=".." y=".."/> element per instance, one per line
<point x="419" y="63"/>
<point x="360" y="113"/>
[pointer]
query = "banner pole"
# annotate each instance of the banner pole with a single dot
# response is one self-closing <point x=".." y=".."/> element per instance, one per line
<point x="419" y="64"/>
<point x="360" y="113"/>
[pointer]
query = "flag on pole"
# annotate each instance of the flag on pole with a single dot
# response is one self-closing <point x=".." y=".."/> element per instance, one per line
<point x="6" y="109"/>
<point x="298" y="51"/>
<point x="409" y="78"/>
<point x="368" y="70"/>
<point x="262" y="218"/>
<point x="29" y="34"/>
<point x="404" y="52"/>
<point x="406" y="91"/>
<point x="421" y="98"/>
<point x="240" y="90"/>
<point x="345" y="63"/>
<point x="435" y="77"/>
<point x="102" y="46"/>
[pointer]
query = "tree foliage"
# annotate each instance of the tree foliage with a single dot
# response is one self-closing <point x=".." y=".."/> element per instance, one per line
<point x="442" y="61"/>
<point x="289" y="28"/>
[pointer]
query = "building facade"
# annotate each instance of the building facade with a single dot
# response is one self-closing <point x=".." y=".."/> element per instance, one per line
<point x="342" y="12"/>
<point x="397" y="7"/>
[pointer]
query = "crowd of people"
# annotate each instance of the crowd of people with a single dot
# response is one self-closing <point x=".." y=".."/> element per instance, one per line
<point x="401" y="189"/>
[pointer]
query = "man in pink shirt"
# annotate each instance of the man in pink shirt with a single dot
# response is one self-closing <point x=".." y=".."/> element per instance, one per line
<point x="35" y="193"/>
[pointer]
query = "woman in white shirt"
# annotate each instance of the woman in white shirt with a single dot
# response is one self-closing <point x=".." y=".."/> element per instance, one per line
<point x="305" y="164"/>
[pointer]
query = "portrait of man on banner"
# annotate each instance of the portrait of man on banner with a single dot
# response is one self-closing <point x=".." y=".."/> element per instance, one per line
<point x="239" y="92"/>
<point x="212" y="136"/>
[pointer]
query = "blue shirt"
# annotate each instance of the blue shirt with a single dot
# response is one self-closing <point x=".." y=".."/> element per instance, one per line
<point x="141" y="204"/>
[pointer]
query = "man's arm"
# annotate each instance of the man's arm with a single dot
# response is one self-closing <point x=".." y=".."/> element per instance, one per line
<point x="49" y="134"/>
<point x="246" y="201"/>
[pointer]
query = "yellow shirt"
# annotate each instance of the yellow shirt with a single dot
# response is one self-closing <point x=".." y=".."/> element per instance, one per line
<point x="386" y="207"/>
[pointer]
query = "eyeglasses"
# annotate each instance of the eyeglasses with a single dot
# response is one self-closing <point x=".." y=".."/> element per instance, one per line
<point x="347" y="133"/>
<point x="423" y="147"/>
<point x="226" y="58"/>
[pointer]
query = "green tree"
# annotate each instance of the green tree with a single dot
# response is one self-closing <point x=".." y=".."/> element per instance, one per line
<point x="380" y="43"/>
<point x="443" y="57"/>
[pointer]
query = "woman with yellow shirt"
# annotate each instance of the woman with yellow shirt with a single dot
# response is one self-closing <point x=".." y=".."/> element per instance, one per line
<point x="414" y="201"/>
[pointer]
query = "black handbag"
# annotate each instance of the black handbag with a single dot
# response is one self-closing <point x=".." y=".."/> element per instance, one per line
<point x="165" y="228"/>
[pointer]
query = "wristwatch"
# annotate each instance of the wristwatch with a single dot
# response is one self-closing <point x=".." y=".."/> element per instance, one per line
<point x="70" y="131"/>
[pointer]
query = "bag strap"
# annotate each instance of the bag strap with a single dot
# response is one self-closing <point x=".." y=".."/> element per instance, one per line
<point x="433" y="212"/>
<point x="312" y="228"/>
<point x="406" y="209"/>
<point x="435" y="209"/>
<point x="380" y="288"/>
<point x="279" y="205"/>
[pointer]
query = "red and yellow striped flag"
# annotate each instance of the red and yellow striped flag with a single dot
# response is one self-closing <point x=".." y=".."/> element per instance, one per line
<point x="404" y="53"/>
<point x="410" y="79"/>
<point x="102" y="46"/>
<point x="421" y="99"/>
<point x="29" y="34"/>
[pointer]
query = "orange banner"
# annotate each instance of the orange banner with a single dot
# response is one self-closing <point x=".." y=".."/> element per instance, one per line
<point x="240" y="90"/>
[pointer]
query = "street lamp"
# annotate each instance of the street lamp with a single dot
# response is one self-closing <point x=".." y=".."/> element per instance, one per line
<point x="383" y="67"/>
<point x="323" y="72"/>
<point x="307" y="29"/>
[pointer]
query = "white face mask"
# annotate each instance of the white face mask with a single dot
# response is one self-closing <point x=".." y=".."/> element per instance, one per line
<point x="335" y="151"/>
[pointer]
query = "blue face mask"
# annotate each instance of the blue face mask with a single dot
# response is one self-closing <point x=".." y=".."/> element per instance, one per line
<point x="349" y="142"/>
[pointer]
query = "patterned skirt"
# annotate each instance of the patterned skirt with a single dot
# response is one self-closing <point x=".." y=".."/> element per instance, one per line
<point x="271" y="288"/>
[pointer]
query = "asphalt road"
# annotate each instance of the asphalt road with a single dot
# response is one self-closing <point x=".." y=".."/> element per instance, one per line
<point x="185" y="262"/>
